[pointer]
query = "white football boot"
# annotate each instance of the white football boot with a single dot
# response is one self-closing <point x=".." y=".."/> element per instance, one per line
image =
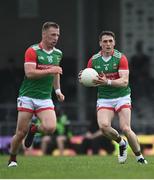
<point x="142" y="161"/>
<point x="122" y="157"/>
<point x="12" y="164"/>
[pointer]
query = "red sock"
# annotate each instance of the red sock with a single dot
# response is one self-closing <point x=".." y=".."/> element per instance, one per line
<point x="33" y="128"/>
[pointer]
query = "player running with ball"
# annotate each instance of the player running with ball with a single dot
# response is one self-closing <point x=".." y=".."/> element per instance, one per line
<point x="114" y="95"/>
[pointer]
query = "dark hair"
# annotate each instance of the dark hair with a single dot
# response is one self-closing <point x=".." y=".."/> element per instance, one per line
<point x="47" y="25"/>
<point x="109" y="33"/>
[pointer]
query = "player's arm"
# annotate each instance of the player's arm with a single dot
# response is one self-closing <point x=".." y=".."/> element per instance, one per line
<point x="56" y="84"/>
<point x="89" y="65"/>
<point x="56" y="81"/>
<point x="123" y="79"/>
<point x="30" y="66"/>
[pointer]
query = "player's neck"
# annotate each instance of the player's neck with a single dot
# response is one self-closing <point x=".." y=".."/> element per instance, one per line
<point x="106" y="54"/>
<point x="46" y="47"/>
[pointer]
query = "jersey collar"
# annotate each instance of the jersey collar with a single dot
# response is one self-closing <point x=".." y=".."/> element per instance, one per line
<point x="48" y="52"/>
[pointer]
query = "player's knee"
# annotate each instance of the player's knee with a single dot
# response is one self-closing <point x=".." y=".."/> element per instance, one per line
<point x="49" y="129"/>
<point x="125" y="129"/>
<point x="21" y="134"/>
<point x="104" y="128"/>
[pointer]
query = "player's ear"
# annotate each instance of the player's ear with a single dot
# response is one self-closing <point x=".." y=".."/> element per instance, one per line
<point x="43" y="33"/>
<point x="100" y="43"/>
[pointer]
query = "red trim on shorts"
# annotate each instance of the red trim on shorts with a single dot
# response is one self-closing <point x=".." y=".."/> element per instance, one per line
<point x="43" y="109"/>
<point x="25" y="109"/>
<point x="109" y="108"/>
<point x="124" y="106"/>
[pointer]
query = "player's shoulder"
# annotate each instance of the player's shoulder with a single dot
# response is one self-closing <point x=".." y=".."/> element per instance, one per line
<point x="32" y="49"/>
<point x="95" y="56"/>
<point x="57" y="51"/>
<point x="35" y="47"/>
<point x="117" y="54"/>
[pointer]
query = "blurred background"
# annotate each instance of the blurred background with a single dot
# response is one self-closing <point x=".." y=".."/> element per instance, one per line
<point x="81" y="22"/>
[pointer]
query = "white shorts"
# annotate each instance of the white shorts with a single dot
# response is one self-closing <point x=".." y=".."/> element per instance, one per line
<point x="115" y="104"/>
<point x="32" y="105"/>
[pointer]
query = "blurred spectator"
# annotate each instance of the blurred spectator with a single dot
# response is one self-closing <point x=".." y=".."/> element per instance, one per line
<point x="140" y="72"/>
<point x="11" y="77"/>
<point x="63" y="133"/>
<point x="95" y="141"/>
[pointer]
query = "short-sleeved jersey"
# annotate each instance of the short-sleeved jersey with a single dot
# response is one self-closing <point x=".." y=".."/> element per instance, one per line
<point x="40" y="88"/>
<point x="111" y="69"/>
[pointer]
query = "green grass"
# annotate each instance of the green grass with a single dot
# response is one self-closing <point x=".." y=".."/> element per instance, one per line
<point x="85" y="167"/>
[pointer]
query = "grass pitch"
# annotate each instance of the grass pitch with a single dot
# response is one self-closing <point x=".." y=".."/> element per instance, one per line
<point x="77" y="167"/>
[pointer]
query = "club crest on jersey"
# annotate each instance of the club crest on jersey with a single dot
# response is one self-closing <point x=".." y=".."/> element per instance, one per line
<point x="106" y="66"/>
<point x="50" y="60"/>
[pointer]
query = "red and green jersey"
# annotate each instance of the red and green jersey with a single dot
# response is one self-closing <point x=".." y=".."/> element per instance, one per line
<point x="111" y="69"/>
<point x="40" y="88"/>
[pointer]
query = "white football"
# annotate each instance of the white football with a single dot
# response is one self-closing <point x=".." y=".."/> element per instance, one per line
<point x="88" y="75"/>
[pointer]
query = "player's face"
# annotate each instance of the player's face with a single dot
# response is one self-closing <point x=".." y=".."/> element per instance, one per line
<point x="107" y="44"/>
<point x="50" y="36"/>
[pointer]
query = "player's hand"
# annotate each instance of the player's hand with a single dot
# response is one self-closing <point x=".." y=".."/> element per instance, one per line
<point x="102" y="80"/>
<point x="60" y="97"/>
<point x="55" y="70"/>
<point x="79" y="75"/>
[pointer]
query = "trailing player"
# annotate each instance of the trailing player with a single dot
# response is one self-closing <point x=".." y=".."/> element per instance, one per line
<point x="114" y="95"/>
<point x="42" y="74"/>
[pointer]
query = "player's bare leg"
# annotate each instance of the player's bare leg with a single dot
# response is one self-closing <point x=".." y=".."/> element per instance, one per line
<point x="48" y="121"/>
<point x="125" y="125"/>
<point x="48" y="125"/>
<point x="105" y="117"/>
<point x="21" y="130"/>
